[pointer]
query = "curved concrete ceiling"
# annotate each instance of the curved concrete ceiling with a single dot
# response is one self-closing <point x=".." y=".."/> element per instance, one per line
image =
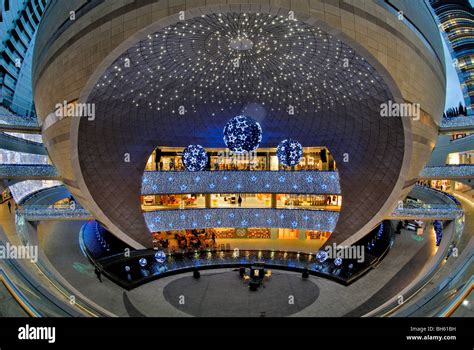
<point x="218" y="66"/>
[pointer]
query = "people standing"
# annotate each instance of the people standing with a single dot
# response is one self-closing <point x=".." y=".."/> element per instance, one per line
<point x="240" y="201"/>
<point x="213" y="237"/>
<point x="158" y="163"/>
<point x="9" y="206"/>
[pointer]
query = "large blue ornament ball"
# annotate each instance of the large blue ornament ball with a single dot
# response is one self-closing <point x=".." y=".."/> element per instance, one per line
<point x="142" y="262"/>
<point x="289" y="152"/>
<point x="322" y="256"/>
<point x="194" y="158"/>
<point x="338" y="262"/>
<point x="242" y="134"/>
<point x="160" y="256"/>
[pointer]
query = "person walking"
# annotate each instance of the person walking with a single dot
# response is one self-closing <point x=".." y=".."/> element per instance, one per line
<point x="399" y="228"/>
<point x="9" y="207"/>
<point x="240" y="201"/>
<point x="98" y="273"/>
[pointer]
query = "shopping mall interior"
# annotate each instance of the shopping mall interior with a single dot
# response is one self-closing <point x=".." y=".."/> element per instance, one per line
<point x="235" y="158"/>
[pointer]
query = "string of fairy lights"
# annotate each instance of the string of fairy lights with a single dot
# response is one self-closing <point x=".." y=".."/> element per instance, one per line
<point x="220" y="61"/>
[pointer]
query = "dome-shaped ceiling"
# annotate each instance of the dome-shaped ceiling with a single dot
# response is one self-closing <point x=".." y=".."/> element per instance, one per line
<point x="180" y="86"/>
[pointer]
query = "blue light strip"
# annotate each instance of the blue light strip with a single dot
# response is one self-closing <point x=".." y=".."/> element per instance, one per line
<point x="457" y="122"/>
<point x="448" y="213"/>
<point x="30" y="171"/>
<point x="302" y="182"/>
<point x="167" y="220"/>
<point x="32" y="213"/>
<point x="448" y="171"/>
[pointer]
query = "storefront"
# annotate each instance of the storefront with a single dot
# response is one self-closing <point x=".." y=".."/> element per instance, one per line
<point x="6" y="195"/>
<point x="172" y="201"/>
<point x="247" y="200"/>
<point x="288" y="233"/>
<point x="314" y="158"/>
<point x="460" y="158"/>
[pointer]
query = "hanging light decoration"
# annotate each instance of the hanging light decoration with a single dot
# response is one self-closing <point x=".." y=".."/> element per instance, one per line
<point x="160" y="256"/>
<point x="322" y="256"/>
<point x="242" y="134"/>
<point x="289" y="152"/>
<point x="380" y="231"/>
<point x="438" y="228"/>
<point x="194" y="158"/>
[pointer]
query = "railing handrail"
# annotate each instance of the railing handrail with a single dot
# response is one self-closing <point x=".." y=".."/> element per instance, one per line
<point x="393" y="304"/>
<point x="449" y="165"/>
<point x="17" y="294"/>
<point x="24" y="200"/>
<point x="458" y="270"/>
<point x="443" y="194"/>
<point x="20" y="139"/>
<point x="241" y="170"/>
<point x="28" y="165"/>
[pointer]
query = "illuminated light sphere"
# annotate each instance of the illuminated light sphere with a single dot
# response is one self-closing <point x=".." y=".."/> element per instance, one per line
<point x="160" y="257"/>
<point x="194" y="158"/>
<point x="142" y="262"/>
<point x="241" y="44"/>
<point x="322" y="256"/>
<point x="127" y="268"/>
<point x="242" y="134"/>
<point x="289" y="152"/>
<point x="338" y="262"/>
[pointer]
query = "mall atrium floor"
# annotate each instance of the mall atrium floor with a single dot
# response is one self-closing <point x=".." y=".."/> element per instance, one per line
<point x="220" y="158"/>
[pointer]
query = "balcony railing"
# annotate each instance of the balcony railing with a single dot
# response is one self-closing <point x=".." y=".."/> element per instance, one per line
<point x="28" y="172"/>
<point x="448" y="172"/>
<point x="457" y="124"/>
<point x="41" y="213"/>
<point x="11" y="118"/>
<point x="448" y="209"/>
<point x="439" y="212"/>
<point x="302" y="182"/>
<point x="167" y="220"/>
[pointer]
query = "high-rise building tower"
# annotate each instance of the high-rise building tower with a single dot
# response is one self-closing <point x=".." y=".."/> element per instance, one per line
<point x="457" y="23"/>
<point x="19" y="21"/>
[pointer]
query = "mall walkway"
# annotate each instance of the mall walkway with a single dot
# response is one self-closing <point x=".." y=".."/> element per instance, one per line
<point x="9" y="307"/>
<point x="60" y="242"/>
<point x="441" y="300"/>
<point x="403" y="262"/>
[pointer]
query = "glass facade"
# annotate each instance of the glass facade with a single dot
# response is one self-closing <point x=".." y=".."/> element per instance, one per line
<point x="18" y="24"/>
<point x="457" y="23"/>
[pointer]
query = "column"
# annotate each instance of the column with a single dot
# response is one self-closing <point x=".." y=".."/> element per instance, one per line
<point x="301" y="234"/>
<point x="207" y="199"/>
<point x="273" y="203"/>
<point x="273" y="233"/>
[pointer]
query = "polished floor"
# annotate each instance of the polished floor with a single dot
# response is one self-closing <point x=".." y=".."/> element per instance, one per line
<point x="59" y="240"/>
<point x="225" y="294"/>
<point x="9" y="307"/>
<point x="60" y="243"/>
